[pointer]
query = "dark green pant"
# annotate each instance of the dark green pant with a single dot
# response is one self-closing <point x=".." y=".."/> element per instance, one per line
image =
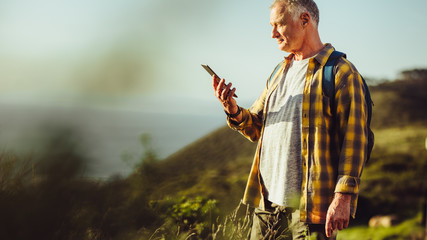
<point x="278" y="222"/>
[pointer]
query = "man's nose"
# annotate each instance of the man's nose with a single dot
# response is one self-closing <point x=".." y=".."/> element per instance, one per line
<point x="274" y="33"/>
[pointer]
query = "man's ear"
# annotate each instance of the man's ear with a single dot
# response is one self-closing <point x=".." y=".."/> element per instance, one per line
<point x="305" y="19"/>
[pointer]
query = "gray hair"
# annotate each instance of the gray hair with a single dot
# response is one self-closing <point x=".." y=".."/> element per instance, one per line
<point x="298" y="7"/>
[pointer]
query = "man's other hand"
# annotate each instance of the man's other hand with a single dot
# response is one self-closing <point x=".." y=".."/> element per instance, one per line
<point x="338" y="215"/>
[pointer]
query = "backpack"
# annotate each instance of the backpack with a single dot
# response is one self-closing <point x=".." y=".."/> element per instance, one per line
<point x="328" y="85"/>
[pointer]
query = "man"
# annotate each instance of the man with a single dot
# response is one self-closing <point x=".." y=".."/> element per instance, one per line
<point x="307" y="166"/>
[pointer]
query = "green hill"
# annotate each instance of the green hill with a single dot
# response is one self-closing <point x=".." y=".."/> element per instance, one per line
<point x="215" y="166"/>
<point x="401" y="102"/>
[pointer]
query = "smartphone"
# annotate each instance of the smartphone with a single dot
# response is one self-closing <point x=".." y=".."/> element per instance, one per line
<point x="211" y="72"/>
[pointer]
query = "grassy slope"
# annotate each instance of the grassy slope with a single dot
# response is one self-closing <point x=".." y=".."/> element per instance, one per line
<point x="392" y="182"/>
<point x="215" y="166"/>
<point x="409" y="229"/>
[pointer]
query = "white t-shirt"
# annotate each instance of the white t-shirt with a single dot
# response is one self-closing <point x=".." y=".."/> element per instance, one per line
<point x="281" y="161"/>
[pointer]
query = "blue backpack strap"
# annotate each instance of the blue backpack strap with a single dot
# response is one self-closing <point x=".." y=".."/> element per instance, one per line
<point x="328" y="82"/>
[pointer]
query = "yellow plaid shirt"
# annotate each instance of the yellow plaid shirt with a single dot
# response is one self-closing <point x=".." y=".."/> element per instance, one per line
<point x="333" y="141"/>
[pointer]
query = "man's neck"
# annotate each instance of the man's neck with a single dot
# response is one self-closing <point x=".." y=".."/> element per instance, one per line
<point x="310" y="47"/>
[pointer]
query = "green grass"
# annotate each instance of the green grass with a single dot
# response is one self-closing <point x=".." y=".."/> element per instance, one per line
<point x="409" y="229"/>
<point x="407" y="139"/>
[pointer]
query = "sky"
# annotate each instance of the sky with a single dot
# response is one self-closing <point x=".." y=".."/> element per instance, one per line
<point x="145" y="56"/>
<point x="118" y="53"/>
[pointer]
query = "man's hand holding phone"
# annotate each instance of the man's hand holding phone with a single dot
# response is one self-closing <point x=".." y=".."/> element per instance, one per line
<point x="225" y="95"/>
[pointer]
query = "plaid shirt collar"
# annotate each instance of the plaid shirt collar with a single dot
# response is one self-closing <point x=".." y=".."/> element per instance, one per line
<point x="321" y="57"/>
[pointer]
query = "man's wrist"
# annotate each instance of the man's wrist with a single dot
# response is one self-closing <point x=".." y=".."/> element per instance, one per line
<point x="234" y="115"/>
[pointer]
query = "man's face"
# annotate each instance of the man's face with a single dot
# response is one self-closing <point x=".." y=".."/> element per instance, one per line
<point x="288" y="32"/>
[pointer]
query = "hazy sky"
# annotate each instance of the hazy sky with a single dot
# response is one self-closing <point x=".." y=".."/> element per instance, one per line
<point x="124" y="52"/>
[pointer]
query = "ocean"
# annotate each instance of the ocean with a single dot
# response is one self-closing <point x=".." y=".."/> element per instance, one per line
<point x="109" y="139"/>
